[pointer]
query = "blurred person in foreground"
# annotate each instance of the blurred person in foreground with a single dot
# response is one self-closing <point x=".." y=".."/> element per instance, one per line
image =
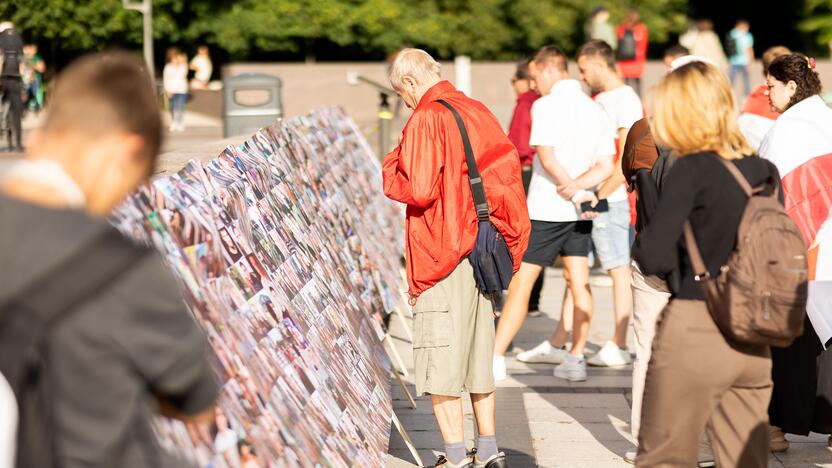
<point x="696" y="378"/>
<point x="131" y="348"/>
<point x="800" y="145"/>
<point x="757" y="117"/>
<point x="518" y="132"/>
<point x="454" y="321"/>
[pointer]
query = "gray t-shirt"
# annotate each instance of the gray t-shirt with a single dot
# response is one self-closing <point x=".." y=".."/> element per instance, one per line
<point x="117" y="351"/>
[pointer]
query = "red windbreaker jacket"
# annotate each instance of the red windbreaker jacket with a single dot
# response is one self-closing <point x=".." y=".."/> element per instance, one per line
<point x="427" y="171"/>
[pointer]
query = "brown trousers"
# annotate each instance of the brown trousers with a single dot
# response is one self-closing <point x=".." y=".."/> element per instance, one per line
<point x="697" y="381"/>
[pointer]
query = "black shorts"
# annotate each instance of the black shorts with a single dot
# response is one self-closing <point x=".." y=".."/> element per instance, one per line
<point x="548" y="240"/>
<point x="527" y="178"/>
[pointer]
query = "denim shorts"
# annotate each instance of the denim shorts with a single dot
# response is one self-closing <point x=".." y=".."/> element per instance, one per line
<point x="611" y="235"/>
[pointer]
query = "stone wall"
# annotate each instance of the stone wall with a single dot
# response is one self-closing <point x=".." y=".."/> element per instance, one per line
<point x="308" y="86"/>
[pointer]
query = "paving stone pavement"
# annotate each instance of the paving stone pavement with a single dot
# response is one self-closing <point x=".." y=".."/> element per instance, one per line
<point x="202" y="133"/>
<point x="548" y="422"/>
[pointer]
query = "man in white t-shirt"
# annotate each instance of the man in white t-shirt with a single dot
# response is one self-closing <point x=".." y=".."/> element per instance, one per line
<point x="575" y="152"/>
<point x="611" y="230"/>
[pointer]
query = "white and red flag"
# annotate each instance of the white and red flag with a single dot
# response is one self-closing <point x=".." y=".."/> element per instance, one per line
<point x="800" y="145"/>
<point x="820" y="283"/>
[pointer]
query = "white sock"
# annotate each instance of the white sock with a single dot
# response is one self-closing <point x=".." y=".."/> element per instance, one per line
<point x="574" y="357"/>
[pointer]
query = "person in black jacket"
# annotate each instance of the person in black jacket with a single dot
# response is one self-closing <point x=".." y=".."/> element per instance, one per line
<point x="11" y="84"/>
<point x="695" y="378"/>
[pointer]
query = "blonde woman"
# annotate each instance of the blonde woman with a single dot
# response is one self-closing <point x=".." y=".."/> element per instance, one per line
<point x="696" y="379"/>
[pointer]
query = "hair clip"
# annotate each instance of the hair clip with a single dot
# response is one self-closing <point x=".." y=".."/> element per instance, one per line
<point x="811" y="62"/>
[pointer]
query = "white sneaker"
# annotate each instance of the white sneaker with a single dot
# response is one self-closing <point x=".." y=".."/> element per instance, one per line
<point x="544" y="352"/>
<point x="610" y="356"/>
<point x="630" y="457"/>
<point x="572" y="369"/>
<point x="499" y="368"/>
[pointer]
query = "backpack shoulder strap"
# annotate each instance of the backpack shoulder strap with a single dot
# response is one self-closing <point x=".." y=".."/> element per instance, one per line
<point x="700" y="271"/>
<point x="94" y="267"/>
<point x="746" y="187"/>
<point x="697" y="262"/>
<point x="474" y="178"/>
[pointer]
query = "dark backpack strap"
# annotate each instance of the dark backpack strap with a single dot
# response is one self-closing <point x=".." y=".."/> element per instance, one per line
<point x="746" y="187"/>
<point x="700" y="271"/>
<point x="94" y="267"/>
<point x="477" y="188"/>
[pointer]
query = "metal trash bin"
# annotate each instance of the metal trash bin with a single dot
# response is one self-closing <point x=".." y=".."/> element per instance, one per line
<point x="250" y="102"/>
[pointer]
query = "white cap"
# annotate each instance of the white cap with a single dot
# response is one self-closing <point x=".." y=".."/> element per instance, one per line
<point x="686" y="59"/>
<point x="6" y="25"/>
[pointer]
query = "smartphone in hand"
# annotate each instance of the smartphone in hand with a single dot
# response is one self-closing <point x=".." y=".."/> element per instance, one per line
<point x="602" y="207"/>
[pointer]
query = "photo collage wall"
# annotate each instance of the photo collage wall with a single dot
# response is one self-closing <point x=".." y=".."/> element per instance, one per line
<point x="289" y="257"/>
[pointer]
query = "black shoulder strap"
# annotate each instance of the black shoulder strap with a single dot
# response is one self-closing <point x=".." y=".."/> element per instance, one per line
<point x="95" y="266"/>
<point x="477" y="188"/>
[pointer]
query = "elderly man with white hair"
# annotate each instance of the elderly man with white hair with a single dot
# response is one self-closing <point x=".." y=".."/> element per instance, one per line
<point x="454" y="327"/>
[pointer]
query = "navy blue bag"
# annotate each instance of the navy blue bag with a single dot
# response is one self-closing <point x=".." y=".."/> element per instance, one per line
<point x="491" y="257"/>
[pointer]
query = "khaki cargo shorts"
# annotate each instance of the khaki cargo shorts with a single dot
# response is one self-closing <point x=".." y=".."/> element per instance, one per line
<point x="453" y="337"/>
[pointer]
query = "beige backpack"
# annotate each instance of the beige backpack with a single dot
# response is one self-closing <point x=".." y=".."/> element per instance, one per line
<point x="759" y="296"/>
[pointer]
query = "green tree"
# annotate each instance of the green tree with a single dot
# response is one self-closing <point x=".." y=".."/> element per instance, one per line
<point x="562" y="22"/>
<point x="280" y="25"/>
<point x="818" y="21"/>
<point x="505" y="29"/>
<point x="354" y="29"/>
<point x="78" y="26"/>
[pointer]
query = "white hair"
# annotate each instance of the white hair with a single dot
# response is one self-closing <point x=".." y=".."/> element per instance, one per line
<point x="415" y="63"/>
<point x="6" y="25"/>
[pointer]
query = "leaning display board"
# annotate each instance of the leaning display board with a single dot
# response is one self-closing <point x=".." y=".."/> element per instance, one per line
<point x="288" y="256"/>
